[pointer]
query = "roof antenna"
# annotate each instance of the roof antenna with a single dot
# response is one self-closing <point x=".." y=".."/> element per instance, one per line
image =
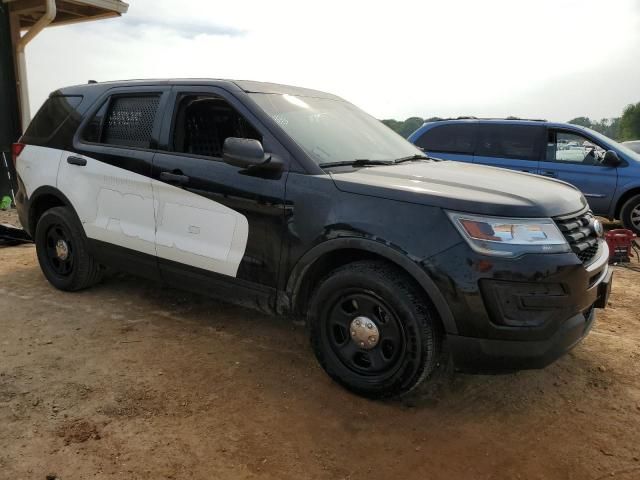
<point x="92" y="81"/>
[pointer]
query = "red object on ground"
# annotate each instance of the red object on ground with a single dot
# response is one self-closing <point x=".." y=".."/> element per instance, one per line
<point x="620" y="243"/>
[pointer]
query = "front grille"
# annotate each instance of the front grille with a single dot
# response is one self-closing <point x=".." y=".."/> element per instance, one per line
<point x="579" y="232"/>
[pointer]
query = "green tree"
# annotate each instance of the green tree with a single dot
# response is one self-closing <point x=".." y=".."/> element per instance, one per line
<point x="615" y="128"/>
<point x="607" y="126"/>
<point x="630" y="123"/>
<point x="410" y="125"/>
<point x="582" y="121"/>
<point x="405" y="128"/>
<point x="394" y="125"/>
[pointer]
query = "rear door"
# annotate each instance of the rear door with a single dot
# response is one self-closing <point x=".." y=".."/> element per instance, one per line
<point x="449" y="141"/>
<point x="107" y="177"/>
<point x="214" y="221"/>
<point x="576" y="159"/>
<point x="516" y="147"/>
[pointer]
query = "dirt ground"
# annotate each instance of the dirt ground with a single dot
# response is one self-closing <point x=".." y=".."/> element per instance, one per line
<point x="132" y="380"/>
<point x="9" y="217"/>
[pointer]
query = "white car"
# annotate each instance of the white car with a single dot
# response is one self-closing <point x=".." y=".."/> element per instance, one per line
<point x="633" y="145"/>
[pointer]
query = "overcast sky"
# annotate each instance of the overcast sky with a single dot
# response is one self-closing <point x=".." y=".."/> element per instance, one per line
<point x="554" y="59"/>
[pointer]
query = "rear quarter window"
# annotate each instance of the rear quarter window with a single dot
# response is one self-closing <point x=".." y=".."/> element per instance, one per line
<point x="448" y="139"/>
<point x="51" y="116"/>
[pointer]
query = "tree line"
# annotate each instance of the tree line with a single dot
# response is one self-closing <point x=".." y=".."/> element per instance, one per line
<point x="622" y="128"/>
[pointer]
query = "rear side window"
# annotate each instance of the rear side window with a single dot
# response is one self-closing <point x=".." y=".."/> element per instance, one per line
<point x="448" y="139"/>
<point x="51" y="116"/>
<point x="521" y="142"/>
<point x="124" y="121"/>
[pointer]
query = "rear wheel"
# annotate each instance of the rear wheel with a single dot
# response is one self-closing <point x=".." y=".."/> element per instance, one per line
<point x="630" y="214"/>
<point x="373" y="331"/>
<point x="62" y="251"/>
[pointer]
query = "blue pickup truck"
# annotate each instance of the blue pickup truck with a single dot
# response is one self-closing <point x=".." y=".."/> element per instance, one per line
<point x="607" y="172"/>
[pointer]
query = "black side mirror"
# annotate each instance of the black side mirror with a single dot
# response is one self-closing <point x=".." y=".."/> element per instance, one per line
<point x="611" y="159"/>
<point x="247" y="153"/>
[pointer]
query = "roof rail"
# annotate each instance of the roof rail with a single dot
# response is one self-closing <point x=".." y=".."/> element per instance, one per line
<point x="527" y="119"/>
<point x="470" y="117"/>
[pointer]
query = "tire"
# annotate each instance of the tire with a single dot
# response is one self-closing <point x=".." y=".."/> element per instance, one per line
<point x="630" y="214"/>
<point x="67" y="265"/>
<point x="406" y="344"/>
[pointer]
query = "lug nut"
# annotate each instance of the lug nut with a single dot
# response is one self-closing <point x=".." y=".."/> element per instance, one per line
<point x="362" y="344"/>
<point x="369" y="325"/>
<point x="372" y="339"/>
<point x="358" y="322"/>
<point x="353" y="333"/>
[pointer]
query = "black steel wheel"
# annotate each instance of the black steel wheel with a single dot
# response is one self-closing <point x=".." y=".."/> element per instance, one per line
<point x="364" y="332"/>
<point x="62" y="251"/>
<point x="59" y="248"/>
<point x="373" y="330"/>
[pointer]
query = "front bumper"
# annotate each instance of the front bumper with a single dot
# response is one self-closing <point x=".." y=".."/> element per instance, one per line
<point x="521" y="313"/>
<point x="482" y="355"/>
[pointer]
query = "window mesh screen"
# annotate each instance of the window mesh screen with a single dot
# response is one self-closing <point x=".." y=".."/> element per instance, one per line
<point x="130" y="121"/>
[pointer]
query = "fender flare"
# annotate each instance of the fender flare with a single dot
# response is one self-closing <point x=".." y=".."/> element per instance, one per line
<point x="625" y="192"/>
<point x="40" y="192"/>
<point x="299" y="271"/>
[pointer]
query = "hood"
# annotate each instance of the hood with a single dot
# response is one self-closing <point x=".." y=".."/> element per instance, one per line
<point x="465" y="187"/>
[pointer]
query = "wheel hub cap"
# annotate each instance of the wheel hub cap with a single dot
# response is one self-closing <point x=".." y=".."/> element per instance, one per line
<point x="62" y="250"/>
<point x="364" y="332"/>
<point x="635" y="217"/>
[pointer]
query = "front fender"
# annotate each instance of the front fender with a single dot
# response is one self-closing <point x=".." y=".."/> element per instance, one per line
<point x="623" y="192"/>
<point x="386" y="251"/>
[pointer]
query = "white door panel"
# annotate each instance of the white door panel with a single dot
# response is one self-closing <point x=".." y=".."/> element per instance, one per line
<point x="38" y="167"/>
<point x="197" y="231"/>
<point x="114" y="204"/>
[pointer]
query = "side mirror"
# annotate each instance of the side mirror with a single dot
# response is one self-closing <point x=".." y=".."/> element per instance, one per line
<point x="611" y="159"/>
<point x="247" y="153"/>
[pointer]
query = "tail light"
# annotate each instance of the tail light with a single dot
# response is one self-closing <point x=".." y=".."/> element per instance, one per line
<point x="16" y="150"/>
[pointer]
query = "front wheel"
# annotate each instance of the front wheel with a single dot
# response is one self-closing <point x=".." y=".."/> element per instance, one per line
<point x="630" y="214"/>
<point x="373" y="330"/>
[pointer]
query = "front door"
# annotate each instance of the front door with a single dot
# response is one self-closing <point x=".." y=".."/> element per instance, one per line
<point x="576" y="159"/>
<point x="215" y="221"/>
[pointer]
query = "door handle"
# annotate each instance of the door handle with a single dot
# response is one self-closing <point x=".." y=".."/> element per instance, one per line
<point x="81" y="162"/>
<point x="548" y="173"/>
<point x="175" y="178"/>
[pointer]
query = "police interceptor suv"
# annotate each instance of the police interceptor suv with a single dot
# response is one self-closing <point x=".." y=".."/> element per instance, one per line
<point x="296" y="202"/>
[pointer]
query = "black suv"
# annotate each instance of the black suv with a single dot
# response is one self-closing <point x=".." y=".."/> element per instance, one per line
<point x="296" y="202"/>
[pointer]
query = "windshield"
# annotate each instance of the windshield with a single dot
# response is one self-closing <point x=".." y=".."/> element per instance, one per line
<point x="332" y="131"/>
<point x="612" y="143"/>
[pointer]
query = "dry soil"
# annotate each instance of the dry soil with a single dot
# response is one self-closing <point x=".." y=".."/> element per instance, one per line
<point x="131" y="380"/>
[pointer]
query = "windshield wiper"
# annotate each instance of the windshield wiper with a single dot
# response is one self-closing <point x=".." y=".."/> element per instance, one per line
<point x="361" y="162"/>
<point x="410" y="158"/>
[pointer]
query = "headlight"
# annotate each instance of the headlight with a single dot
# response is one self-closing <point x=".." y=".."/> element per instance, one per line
<point x="509" y="237"/>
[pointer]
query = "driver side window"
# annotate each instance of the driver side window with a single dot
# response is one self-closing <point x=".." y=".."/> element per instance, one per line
<point x="204" y="122"/>
<point x="565" y="147"/>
